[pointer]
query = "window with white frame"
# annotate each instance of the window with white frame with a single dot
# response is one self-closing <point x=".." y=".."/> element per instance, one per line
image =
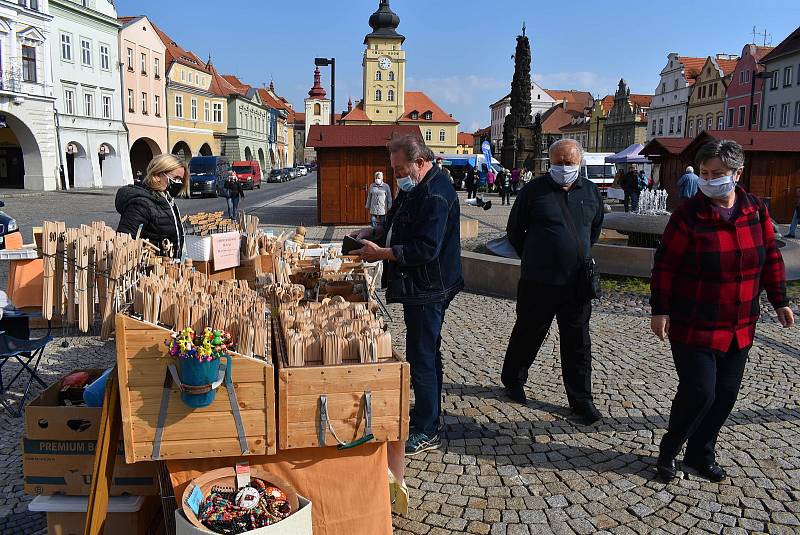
<point x="742" y="113"/>
<point x="378" y="76"/>
<point x="130" y="101"/>
<point x="157" y="105"/>
<point x="217" y="112"/>
<point x="720" y="122"/>
<point x="106" y="107"/>
<point x="378" y="95"/>
<point x="428" y="135"/>
<point x="183" y="75"/>
<point x="66" y="47"/>
<point x="699" y="126"/>
<point x="428" y="116"/>
<point x="672" y="125"/>
<point x="771" y="117"/>
<point x="797" y="112"/>
<point x="105" y="57"/>
<point x="390" y="95"/>
<point x="178" y="105"/>
<point x="773" y="82"/>
<point x="680" y="123"/>
<point x="29" y="68"/>
<point x="788" y="76"/>
<point x="660" y="125"/>
<point x="785" y="114"/>
<point x="88" y="105"/>
<point x="156" y="68"/>
<point x="144" y="103"/>
<point x="730" y="117"/>
<point x="86" y="52"/>
<point x="143" y="63"/>
<point x="653" y="130"/>
<point x="69" y="102"/>
<point x="207" y="112"/>
<point x="130" y="59"/>
<point x="194" y="109"/>
<point x="691" y="129"/>
<point x="391" y="76"/>
<point x="442" y="136"/>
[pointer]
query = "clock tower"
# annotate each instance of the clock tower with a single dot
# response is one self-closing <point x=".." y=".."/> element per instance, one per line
<point x="384" y="67"/>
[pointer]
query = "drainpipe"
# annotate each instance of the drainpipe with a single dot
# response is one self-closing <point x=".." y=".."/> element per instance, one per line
<point x="124" y="118"/>
<point x="60" y="155"/>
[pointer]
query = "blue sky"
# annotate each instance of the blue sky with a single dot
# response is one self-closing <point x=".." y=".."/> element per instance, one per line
<point x="459" y="52"/>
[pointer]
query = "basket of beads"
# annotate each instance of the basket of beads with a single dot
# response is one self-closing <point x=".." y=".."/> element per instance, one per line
<point x="232" y="501"/>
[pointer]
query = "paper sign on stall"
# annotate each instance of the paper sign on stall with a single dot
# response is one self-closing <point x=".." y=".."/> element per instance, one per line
<point x="225" y="247"/>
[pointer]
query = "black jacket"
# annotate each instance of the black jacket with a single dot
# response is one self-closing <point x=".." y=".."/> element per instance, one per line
<point x="542" y="237"/>
<point x="425" y="227"/>
<point x="138" y="205"/>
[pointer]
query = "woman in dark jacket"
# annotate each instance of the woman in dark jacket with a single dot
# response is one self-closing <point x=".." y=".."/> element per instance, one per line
<point x="152" y="206"/>
<point x="717" y="253"/>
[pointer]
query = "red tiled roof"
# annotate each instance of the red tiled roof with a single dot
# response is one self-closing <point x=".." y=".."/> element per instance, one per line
<point x="299" y="118"/>
<point x="357" y="113"/>
<point x="420" y="102"/>
<point x="240" y="86"/>
<point x="482" y="132"/>
<point x="727" y="65"/>
<point x="643" y="101"/>
<point x="554" y="119"/>
<point x="219" y="85"/>
<point x="759" y="141"/>
<point x="466" y="139"/>
<point x="320" y="136"/>
<point x="672" y="145"/>
<point x="178" y="54"/>
<point x="579" y="99"/>
<point x="607" y="103"/>
<point x="691" y="67"/>
<point x="762" y="51"/>
<point x="126" y="20"/>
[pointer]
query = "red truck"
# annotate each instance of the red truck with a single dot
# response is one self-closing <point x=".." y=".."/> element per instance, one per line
<point x="248" y="173"/>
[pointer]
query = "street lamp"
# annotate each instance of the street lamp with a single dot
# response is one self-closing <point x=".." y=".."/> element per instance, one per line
<point x="324" y="62"/>
<point x="763" y="75"/>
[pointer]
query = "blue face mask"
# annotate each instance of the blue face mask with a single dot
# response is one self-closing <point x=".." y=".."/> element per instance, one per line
<point x="717" y="188"/>
<point x="564" y="175"/>
<point x="405" y="183"/>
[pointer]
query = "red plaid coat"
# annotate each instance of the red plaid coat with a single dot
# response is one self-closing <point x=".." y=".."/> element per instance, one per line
<point x="708" y="272"/>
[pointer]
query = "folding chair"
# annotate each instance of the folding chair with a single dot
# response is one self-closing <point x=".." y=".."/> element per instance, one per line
<point x="27" y="353"/>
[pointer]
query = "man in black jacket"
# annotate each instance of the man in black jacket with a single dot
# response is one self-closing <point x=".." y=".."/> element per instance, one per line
<point x="420" y="244"/>
<point x="552" y="258"/>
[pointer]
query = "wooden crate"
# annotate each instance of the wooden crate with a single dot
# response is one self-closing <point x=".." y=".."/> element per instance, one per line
<point x="142" y="362"/>
<point x="299" y="391"/>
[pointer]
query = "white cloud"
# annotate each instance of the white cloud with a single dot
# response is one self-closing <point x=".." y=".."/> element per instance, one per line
<point x="593" y="82"/>
<point x="457" y="90"/>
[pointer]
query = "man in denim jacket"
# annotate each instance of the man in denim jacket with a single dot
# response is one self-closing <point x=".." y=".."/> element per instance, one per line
<point x="420" y="245"/>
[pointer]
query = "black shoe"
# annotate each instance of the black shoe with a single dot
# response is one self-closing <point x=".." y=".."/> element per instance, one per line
<point x="588" y="413"/>
<point x="790" y="236"/>
<point x="712" y="472"/>
<point x="516" y="393"/>
<point x="667" y="469"/>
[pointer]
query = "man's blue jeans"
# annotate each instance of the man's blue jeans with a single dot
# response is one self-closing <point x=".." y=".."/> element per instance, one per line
<point x="233" y="206"/>
<point x="423" y="352"/>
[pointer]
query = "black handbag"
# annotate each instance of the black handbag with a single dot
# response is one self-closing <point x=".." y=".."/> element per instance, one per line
<point x="588" y="278"/>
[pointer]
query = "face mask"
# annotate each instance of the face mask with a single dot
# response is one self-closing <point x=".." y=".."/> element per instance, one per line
<point x="379" y="181"/>
<point x="717" y="188"/>
<point x="174" y="188"/>
<point x="564" y="174"/>
<point x="406" y="183"/>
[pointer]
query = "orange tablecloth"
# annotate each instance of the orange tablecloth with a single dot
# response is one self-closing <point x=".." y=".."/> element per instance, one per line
<point x="25" y="277"/>
<point x="349" y="489"/>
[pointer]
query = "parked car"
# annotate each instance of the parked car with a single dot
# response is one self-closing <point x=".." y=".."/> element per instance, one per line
<point x="8" y="225"/>
<point x="290" y="172"/>
<point x="303" y="170"/>
<point x="275" y="175"/>
<point x="248" y="174"/>
<point x="204" y="172"/>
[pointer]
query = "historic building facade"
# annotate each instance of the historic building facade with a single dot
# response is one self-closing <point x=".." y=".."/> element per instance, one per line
<point x="667" y="114"/>
<point x="317" y="111"/>
<point x="743" y="94"/>
<point x="143" y="91"/>
<point x="386" y="100"/>
<point x="87" y="85"/>
<point x="706" y="109"/>
<point x="248" y="119"/>
<point x="781" y="102"/>
<point x="541" y="100"/>
<point x="28" y="140"/>
<point x="627" y="121"/>
<point x="596" y="138"/>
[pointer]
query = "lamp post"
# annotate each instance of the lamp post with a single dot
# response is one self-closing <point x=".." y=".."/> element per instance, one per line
<point x="324" y="62"/>
<point x="763" y="75"/>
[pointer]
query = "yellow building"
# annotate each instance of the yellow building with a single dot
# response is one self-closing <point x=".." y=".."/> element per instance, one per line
<point x="706" y="109"/>
<point x="597" y="123"/>
<point x="196" y="116"/>
<point x="386" y="100"/>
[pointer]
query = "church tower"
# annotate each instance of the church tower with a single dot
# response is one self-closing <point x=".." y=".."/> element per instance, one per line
<point x="384" y="67"/>
<point x="318" y="106"/>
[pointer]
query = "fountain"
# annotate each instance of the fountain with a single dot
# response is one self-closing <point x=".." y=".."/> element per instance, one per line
<point x="653" y="202"/>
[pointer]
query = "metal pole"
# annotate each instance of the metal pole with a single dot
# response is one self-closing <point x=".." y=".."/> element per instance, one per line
<point x="333" y="91"/>
<point x="752" y="96"/>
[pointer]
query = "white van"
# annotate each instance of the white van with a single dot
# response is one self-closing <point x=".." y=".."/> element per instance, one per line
<point x="595" y="168"/>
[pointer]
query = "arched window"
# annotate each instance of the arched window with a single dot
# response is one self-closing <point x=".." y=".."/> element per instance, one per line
<point x="378" y="75"/>
<point x="428" y="134"/>
<point x="391" y="76"/>
<point x="317" y="109"/>
<point x="390" y="95"/>
<point x="378" y="95"/>
<point x="442" y="135"/>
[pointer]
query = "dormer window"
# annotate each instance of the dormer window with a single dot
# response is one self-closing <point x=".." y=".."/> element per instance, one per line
<point x="428" y="116"/>
<point x="414" y="115"/>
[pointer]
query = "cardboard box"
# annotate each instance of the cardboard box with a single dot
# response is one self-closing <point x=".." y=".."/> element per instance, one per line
<point x="130" y="515"/>
<point x="207" y="268"/>
<point x="297" y="524"/>
<point x="58" y="448"/>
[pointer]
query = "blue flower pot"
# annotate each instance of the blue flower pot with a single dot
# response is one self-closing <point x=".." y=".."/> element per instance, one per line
<point x="193" y="372"/>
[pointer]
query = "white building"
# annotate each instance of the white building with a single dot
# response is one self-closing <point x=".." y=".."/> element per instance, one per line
<point x="541" y="101"/>
<point x="88" y="88"/>
<point x="28" y="157"/>
<point x="667" y="114"/>
<point x="318" y="111"/>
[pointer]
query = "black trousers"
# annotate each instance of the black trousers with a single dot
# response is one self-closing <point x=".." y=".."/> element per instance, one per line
<point x="708" y="385"/>
<point x="537" y="305"/>
<point x="505" y="195"/>
<point x="472" y="192"/>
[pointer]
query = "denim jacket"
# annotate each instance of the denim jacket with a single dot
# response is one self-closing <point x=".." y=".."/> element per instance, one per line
<point x="425" y="229"/>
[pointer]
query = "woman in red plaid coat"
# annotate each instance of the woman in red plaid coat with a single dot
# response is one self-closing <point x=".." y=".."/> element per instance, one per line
<point x="716" y="255"/>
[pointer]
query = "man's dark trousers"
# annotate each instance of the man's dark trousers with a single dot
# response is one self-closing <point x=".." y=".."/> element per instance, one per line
<point x="537" y="305"/>
<point x="424" y="355"/>
<point x="708" y="386"/>
<point x="631" y="201"/>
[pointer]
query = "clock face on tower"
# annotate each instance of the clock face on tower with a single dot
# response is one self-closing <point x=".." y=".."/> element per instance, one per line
<point x="385" y="63"/>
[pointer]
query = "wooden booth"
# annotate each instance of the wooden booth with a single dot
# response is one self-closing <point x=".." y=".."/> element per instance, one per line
<point x="348" y="158"/>
<point x="771" y="165"/>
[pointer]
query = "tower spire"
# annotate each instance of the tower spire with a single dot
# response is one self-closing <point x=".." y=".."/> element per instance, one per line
<point x="317" y="91"/>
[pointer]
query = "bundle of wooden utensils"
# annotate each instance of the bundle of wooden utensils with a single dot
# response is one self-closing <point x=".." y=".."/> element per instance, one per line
<point x="89" y="271"/>
<point x="178" y="297"/>
<point x="207" y="223"/>
<point x="332" y="332"/>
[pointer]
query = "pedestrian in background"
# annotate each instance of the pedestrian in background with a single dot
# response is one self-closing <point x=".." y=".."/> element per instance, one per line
<point x="379" y="200"/>
<point x="445" y="170"/>
<point x="516" y="180"/>
<point x="491" y="178"/>
<point x="630" y="184"/>
<point x="552" y="226"/>
<point x="717" y="253"/>
<point x="687" y="184"/>
<point x="644" y="182"/>
<point x="420" y="246"/>
<point x="233" y="192"/>
<point x="471" y="182"/>
<point x="504" y="185"/>
<point x="795" y="214"/>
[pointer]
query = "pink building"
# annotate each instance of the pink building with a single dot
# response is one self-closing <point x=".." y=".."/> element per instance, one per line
<point x="744" y="91"/>
<point x="141" y="52"/>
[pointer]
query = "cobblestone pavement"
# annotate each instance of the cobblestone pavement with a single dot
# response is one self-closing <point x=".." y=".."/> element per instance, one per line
<point x="508" y="469"/>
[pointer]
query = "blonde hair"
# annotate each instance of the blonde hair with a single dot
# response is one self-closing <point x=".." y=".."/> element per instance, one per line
<point x="379" y="174"/>
<point x="163" y="164"/>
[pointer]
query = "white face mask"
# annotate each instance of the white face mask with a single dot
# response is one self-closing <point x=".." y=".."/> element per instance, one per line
<point x="405" y="183"/>
<point x="564" y="175"/>
<point x="717" y="188"/>
<point x="378" y="180"/>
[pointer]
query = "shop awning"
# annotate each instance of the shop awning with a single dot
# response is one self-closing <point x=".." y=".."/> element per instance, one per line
<point x="629" y="155"/>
